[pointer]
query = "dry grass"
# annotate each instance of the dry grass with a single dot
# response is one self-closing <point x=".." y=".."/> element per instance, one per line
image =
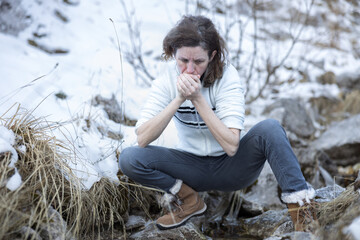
<point x="335" y="215"/>
<point x="48" y="183"/>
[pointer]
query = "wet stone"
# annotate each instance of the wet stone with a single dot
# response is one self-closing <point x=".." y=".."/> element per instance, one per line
<point x="151" y="232"/>
<point x="286" y="227"/>
<point x="328" y="193"/>
<point x="294" y="236"/>
<point x="265" y="225"/>
<point x="135" y="222"/>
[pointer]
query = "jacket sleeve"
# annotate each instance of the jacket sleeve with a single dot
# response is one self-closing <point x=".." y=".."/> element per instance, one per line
<point x="229" y="99"/>
<point x="159" y="97"/>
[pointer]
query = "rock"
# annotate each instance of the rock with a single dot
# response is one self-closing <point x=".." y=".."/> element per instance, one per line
<point x="340" y="141"/>
<point x="325" y="109"/>
<point x="306" y="155"/>
<point x="29" y="233"/>
<point x="349" y="81"/>
<point x="222" y="212"/>
<point x="134" y="222"/>
<point x="217" y="203"/>
<point x="252" y="208"/>
<point x="328" y="193"/>
<point x="351" y="103"/>
<point x="286" y="227"/>
<point x="266" y="224"/>
<point x="293" y="116"/>
<point x="111" y="107"/>
<point x="317" y="167"/>
<point x="263" y="195"/>
<point x="327" y="78"/>
<point x="113" y="110"/>
<point x="13" y="17"/>
<point x="357" y="183"/>
<point x="294" y="236"/>
<point x="187" y="231"/>
<point x="55" y="228"/>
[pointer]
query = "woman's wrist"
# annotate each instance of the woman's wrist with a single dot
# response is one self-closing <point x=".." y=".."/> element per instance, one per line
<point x="196" y="101"/>
<point x="179" y="99"/>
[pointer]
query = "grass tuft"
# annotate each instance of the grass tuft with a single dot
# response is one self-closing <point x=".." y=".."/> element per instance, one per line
<point x="49" y="187"/>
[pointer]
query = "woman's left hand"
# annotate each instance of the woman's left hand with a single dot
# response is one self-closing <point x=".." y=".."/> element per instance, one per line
<point x="189" y="86"/>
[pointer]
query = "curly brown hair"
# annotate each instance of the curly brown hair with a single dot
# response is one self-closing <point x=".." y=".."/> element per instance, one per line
<point x="193" y="31"/>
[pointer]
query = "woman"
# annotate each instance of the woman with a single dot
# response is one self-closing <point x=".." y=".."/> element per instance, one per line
<point x="204" y="95"/>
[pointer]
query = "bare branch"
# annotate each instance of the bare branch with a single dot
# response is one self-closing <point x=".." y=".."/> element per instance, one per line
<point x="271" y="70"/>
<point x="135" y="56"/>
<point x="254" y="7"/>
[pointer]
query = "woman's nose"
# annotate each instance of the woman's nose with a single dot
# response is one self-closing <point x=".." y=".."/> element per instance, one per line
<point x="190" y="68"/>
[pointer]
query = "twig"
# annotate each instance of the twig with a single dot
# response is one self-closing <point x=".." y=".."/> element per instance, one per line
<point x="135" y="56"/>
<point x="272" y="70"/>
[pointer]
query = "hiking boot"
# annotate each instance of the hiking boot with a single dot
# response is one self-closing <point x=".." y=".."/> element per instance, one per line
<point x="302" y="216"/>
<point x="190" y="204"/>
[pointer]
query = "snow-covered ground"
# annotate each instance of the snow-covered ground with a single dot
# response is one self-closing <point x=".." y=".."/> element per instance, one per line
<point x="92" y="67"/>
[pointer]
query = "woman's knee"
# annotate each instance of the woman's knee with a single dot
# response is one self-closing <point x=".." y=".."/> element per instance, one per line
<point x="270" y="123"/>
<point x="127" y="160"/>
<point x="270" y="127"/>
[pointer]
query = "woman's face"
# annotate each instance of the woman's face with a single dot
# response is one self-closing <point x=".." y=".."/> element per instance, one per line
<point x="192" y="60"/>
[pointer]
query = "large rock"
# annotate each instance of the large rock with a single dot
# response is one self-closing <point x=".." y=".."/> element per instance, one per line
<point x="293" y="116"/>
<point x="13" y="17"/>
<point x="341" y="141"/>
<point x="294" y="236"/>
<point x="266" y="224"/>
<point x="349" y="80"/>
<point x="263" y="195"/>
<point x="316" y="165"/>
<point x="328" y="193"/>
<point x="187" y="231"/>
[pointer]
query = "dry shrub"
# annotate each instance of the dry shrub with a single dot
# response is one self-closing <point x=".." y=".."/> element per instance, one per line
<point x="339" y="213"/>
<point x="48" y="182"/>
<point x="351" y="102"/>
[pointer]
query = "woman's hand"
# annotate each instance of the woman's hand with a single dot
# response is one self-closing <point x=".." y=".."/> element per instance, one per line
<point x="189" y="86"/>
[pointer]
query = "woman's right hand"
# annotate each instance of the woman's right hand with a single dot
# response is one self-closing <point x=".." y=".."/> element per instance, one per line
<point x="180" y="96"/>
<point x="188" y="86"/>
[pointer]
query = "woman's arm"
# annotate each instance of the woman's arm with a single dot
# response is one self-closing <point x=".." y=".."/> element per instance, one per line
<point x="228" y="138"/>
<point x="151" y="130"/>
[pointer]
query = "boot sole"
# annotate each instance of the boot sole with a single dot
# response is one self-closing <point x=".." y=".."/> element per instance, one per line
<point x="197" y="213"/>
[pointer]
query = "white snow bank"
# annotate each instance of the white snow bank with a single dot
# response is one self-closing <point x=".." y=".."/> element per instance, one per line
<point x="7" y="140"/>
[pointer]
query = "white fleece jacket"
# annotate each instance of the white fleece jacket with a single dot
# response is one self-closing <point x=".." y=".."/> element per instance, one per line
<point x="225" y="97"/>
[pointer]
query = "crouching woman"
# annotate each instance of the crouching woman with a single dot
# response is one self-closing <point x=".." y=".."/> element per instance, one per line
<point x="204" y="95"/>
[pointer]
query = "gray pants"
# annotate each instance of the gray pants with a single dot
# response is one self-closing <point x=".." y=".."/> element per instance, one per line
<point x="160" y="167"/>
